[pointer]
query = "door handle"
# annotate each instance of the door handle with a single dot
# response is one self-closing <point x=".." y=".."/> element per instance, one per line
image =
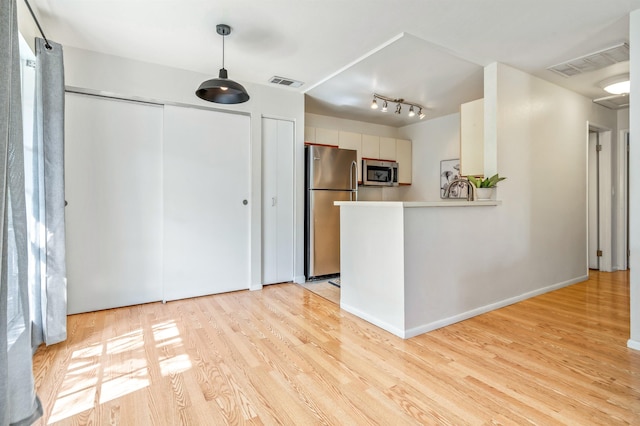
<point x="273" y="201"/>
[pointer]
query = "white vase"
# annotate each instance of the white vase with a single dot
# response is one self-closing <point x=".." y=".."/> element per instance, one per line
<point x="484" y="193"/>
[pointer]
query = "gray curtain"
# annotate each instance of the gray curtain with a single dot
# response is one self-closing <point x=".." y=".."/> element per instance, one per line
<point x="50" y="280"/>
<point x="18" y="401"/>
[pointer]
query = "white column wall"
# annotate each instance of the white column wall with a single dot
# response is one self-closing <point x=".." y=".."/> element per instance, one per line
<point x="634" y="178"/>
<point x="115" y="76"/>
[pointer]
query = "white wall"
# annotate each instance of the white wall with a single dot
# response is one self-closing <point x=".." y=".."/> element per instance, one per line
<point x="432" y="141"/>
<point x="634" y="176"/>
<point x="542" y="150"/>
<point x="536" y="240"/>
<point x="618" y="223"/>
<point x="115" y="76"/>
<point x="27" y="26"/>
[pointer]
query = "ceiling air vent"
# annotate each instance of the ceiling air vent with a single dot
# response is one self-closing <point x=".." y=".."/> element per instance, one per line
<point x="282" y="81"/>
<point x="614" y="101"/>
<point x="593" y="61"/>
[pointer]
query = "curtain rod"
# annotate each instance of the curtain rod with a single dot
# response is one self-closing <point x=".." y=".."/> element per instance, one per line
<point x="46" y="42"/>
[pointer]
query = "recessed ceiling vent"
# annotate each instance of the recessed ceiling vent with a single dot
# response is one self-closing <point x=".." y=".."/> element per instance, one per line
<point x="593" y="61"/>
<point x="282" y="81"/>
<point x="614" y="101"/>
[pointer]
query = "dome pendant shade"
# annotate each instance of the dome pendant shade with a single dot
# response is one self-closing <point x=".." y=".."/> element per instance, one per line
<point x="221" y="90"/>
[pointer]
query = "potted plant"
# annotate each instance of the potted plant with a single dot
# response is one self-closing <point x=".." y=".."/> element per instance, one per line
<point x="484" y="187"/>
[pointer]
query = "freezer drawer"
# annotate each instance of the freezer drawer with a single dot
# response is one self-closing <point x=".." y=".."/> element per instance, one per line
<point x="323" y="242"/>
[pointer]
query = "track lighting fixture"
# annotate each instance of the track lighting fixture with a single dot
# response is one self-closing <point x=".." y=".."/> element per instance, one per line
<point x="399" y="102"/>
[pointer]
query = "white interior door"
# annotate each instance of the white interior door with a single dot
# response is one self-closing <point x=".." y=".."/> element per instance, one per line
<point x="113" y="184"/>
<point x="205" y="202"/>
<point x="277" y="200"/>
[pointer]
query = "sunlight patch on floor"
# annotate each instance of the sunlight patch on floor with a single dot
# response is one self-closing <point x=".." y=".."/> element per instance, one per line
<point x="87" y="381"/>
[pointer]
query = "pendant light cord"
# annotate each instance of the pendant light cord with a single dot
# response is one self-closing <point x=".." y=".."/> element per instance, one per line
<point x="46" y="42"/>
<point x="223" y="37"/>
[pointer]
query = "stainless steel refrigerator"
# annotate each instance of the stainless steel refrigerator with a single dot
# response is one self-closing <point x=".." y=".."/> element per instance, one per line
<point x="331" y="175"/>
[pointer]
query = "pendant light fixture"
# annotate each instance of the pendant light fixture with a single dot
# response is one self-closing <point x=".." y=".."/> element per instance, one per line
<point x="221" y="90"/>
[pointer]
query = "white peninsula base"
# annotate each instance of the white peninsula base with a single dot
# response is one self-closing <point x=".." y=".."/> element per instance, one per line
<point x="412" y="267"/>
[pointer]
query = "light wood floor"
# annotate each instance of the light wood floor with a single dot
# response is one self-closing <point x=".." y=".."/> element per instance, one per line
<point x="284" y="355"/>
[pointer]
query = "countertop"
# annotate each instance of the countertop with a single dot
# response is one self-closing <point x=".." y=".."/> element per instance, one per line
<point x="413" y="204"/>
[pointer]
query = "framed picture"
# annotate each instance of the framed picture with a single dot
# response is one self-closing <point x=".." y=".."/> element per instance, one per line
<point x="449" y="171"/>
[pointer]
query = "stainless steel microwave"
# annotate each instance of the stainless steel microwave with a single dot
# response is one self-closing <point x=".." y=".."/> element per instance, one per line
<point x="379" y="173"/>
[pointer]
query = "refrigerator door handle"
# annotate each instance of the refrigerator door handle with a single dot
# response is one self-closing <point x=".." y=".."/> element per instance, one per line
<point x="354" y="189"/>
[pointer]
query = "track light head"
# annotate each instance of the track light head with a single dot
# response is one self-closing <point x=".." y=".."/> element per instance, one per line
<point x="421" y="114"/>
<point x="398" y="108"/>
<point x="411" y="111"/>
<point x="384" y="106"/>
<point x="374" y="104"/>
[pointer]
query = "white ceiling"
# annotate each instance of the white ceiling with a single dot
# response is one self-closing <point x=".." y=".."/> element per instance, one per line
<point x="431" y="52"/>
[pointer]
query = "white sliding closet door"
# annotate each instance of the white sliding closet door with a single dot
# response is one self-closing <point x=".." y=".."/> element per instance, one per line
<point x="277" y="200"/>
<point x="206" y="192"/>
<point x="113" y="184"/>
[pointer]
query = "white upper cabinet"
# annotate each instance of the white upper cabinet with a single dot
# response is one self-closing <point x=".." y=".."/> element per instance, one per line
<point x="327" y="137"/>
<point x="370" y="146"/>
<point x="388" y="149"/>
<point x="472" y="138"/>
<point x="350" y="140"/>
<point x="404" y="159"/>
<point x="309" y="134"/>
<point x="367" y="146"/>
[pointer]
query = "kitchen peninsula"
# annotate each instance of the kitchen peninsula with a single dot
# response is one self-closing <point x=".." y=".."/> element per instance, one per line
<point x="412" y="267"/>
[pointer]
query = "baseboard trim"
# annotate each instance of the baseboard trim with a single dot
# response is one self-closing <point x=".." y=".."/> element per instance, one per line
<point x="383" y="325"/>
<point x="415" y="331"/>
<point x="425" y="328"/>
<point x="299" y="279"/>
<point x="633" y="344"/>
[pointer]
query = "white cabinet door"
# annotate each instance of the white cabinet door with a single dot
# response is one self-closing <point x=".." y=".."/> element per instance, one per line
<point x="371" y="147"/>
<point x="327" y="137"/>
<point x="277" y="200"/>
<point x="472" y="138"/>
<point x="388" y="149"/>
<point x="350" y="140"/>
<point x="206" y="192"/>
<point x="405" y="160"/>
<point x="113" y="184"/>
<point x="309" y="134"/>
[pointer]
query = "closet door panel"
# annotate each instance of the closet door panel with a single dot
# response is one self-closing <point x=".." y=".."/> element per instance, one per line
<point x="205" y="202"/>
<point x="277" y="195"/>
<point x="113" y="184"/>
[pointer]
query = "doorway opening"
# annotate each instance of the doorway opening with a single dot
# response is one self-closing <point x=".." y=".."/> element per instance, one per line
<point x="599" y="199"/>
<point x="593" y="206"/>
